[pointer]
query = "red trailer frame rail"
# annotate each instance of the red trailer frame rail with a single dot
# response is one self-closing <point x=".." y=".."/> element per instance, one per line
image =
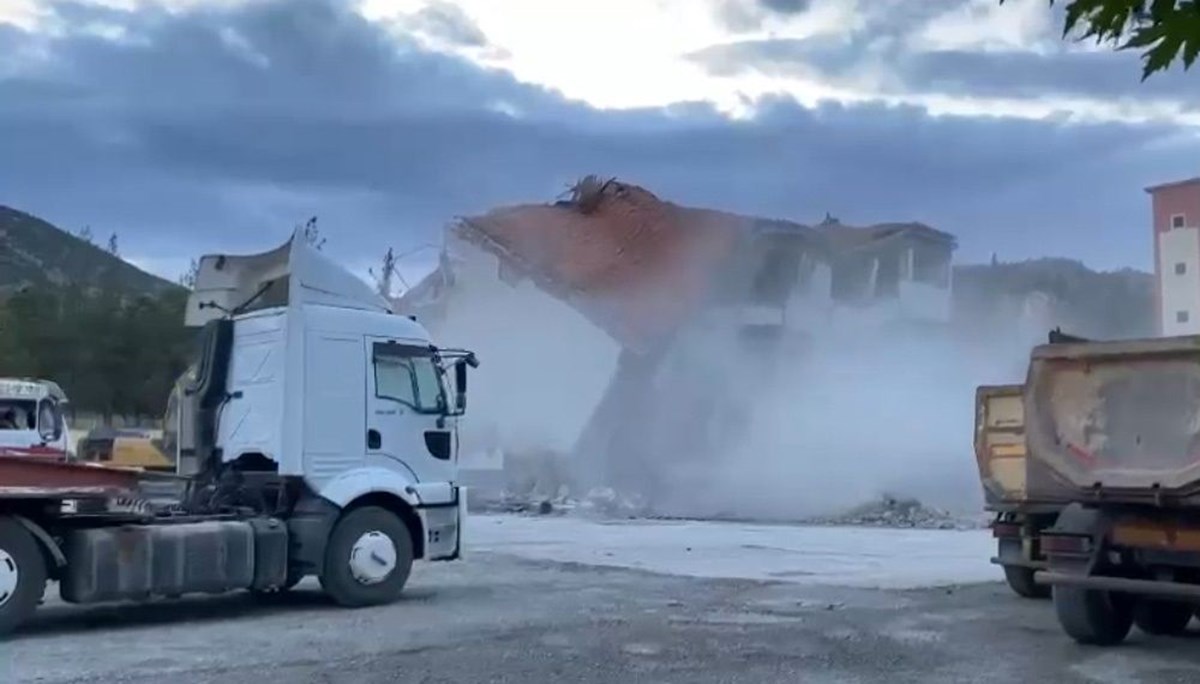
<point x="25" y="478"/>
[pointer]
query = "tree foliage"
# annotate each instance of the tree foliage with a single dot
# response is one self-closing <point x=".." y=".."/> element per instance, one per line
<point x="1164" y="30"/>
<point x="112" y="354"/>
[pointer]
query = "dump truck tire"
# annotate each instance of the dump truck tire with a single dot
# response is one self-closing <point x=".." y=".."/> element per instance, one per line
<point x="1162" y="618"/>
<point x="1020" y="580"/>
<point x="368" y="558"/>
<point x="1096" y="618"/>
<point x="22" y="575"/>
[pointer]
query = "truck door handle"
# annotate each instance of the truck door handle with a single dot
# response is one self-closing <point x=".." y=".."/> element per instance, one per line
<point x="374" y="439"/>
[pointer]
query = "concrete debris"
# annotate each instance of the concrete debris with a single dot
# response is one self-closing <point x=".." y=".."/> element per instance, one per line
<point x="601" y="502"/>
<point x="606" y="502"/>
<point x="893" y="511"/>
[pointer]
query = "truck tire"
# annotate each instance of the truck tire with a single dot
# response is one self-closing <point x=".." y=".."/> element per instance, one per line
<point x="22" y="575"/>
<point x="1020" y="580"/>
<point x="367" y="559"/>
<point x="1162" y="618"/>
<point x="1097" y="618"/>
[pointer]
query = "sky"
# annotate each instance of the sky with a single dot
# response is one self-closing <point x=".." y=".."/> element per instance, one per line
<point x="194" y="126"/>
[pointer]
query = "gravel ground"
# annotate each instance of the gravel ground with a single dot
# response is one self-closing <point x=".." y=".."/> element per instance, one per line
<point x="498" y="618"/>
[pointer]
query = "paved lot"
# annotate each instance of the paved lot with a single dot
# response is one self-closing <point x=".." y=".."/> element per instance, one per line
<point x="503" y="618"/>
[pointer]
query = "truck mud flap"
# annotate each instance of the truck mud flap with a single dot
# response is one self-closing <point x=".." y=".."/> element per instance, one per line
<point x="309" y="527"/>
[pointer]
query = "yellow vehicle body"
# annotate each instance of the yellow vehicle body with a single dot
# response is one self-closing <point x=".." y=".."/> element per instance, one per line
<point x="1002" y="458"/>
<point x="128" y="448"/>
<point x="135" y="448"/>
<point x="1000" y="443"/>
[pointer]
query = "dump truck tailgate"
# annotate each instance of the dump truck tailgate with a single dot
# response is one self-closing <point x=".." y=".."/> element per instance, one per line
<point x="1000" y="443"/>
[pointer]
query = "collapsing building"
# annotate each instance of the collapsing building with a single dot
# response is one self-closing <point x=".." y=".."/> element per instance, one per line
<point x="693" y="303"/>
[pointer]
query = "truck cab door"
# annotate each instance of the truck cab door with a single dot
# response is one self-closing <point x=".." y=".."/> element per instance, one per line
<point x="407" y="428"/>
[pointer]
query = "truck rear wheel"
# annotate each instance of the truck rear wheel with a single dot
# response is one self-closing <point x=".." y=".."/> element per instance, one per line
<point x="367" y="559"/>
<point x="1098" y="618"/>
<point x="22" y="575"/>
<point x="1162" y="618"/>
<point x="1020" y="580"/>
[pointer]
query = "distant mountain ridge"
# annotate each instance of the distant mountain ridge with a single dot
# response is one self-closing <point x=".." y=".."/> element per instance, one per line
<point x="35" y="252"/>
<point x="1097" y="304"/>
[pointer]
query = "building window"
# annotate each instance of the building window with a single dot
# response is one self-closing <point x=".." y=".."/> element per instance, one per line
<point x="1181" y="317"/>
<point x="1177" y="221"/>
<point x="1180" y="268"/>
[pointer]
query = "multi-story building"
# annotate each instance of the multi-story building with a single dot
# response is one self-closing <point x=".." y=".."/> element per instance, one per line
<point x="1176" y="210"/>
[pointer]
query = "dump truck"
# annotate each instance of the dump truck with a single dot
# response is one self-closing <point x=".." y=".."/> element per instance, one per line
<point x="1114" y="428"/>
<point x="324" y="431"/>
<point x="32" y="418"/>
<point x="1000" y="456"/>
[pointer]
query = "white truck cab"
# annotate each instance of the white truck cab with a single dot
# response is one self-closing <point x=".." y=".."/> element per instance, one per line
<point x="309" y="384"/>
<point x="32" y="420"/>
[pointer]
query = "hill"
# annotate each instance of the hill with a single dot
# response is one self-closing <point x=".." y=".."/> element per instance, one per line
<point x="1097" y="304"/>
<point x="35" y="252"/>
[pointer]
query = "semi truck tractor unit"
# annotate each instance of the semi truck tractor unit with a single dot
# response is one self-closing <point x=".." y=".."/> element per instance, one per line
<point x="323" y="427"/>
<point x="1114" y="429"/>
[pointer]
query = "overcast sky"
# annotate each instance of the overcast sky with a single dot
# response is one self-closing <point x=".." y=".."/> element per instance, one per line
<point x="215" y="125"/>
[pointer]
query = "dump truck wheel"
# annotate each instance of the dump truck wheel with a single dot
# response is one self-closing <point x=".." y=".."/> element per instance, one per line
<point x="1162" y="618"/>
<point x="1020" y="580"/>
<point x="1098" y="618"/>
<point x="22" y="575"/>
<point x="368" y="558"/>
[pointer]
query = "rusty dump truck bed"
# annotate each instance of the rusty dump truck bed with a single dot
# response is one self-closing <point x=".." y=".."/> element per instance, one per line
<point x="1115" y="421"/>
<point x="23" y="477"/>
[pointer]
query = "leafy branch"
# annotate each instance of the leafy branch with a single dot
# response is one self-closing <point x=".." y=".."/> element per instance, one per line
<point x="1164" y="30"/>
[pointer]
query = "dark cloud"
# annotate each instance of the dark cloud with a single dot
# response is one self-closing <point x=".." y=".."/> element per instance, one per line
<point x="786" y="6"/>
<point x="749" y="15"/>
<point x="1066" y="71"/>
<point x="223" y="128"/>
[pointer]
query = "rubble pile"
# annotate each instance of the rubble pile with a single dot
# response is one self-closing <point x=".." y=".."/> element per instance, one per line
<point x="601" y="502"/>
<point x="893" y="511"/>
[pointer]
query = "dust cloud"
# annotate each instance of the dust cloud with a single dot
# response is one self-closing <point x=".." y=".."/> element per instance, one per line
<point x="815" y="432"/>
<point x="853" y="422"/>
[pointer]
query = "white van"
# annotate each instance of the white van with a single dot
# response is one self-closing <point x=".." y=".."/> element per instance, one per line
<point x="32" y="420"/>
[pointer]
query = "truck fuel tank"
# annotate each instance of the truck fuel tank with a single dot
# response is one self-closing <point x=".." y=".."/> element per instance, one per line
<point x="141" y="561"/>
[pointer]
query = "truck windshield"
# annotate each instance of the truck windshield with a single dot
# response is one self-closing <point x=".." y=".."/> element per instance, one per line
<point x="408" y="375"/>
<point x="18" y="414"/>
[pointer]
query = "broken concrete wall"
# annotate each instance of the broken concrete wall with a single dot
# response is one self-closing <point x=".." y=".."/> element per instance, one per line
<point x="718" y="397"/>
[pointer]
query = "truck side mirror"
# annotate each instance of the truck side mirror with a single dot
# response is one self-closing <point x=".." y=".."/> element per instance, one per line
<point x="460" y="386"/>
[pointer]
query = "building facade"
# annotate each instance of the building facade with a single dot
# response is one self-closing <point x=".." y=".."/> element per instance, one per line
<point x="1176" y="212"/>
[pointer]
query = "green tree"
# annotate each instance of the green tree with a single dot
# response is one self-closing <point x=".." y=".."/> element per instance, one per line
<point x="1164" y="30"/>
<point x="113" y="354"/>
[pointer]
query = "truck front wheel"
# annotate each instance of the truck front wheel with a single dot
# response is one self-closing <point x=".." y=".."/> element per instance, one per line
<point x="367" y="559"/>
<point x="22" y="575"/>
<point x="1098" y="618"/>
